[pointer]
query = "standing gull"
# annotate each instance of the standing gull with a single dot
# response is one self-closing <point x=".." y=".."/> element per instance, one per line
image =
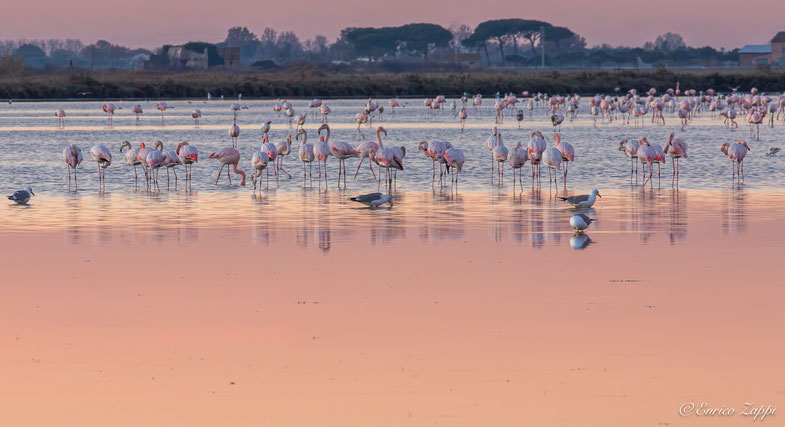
<point x="21" y="197"/>
<point x="582" y="201"/>
<point x="580" y="222"/>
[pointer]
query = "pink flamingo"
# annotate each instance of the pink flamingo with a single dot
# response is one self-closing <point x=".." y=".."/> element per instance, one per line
<point x="491" y="143"/>
<point x="109" y="110"/>
<point x="455" y="159"/>
<point x="188" y="155"/>
<point x="155" y="160"/>
<point x="325" y="110"/>
<point x="103" y="158"/>
<point x="161" y="106"/>
<point x="552" y="159"/>
<point x="341" y="151"/>
<point x="141" y="157"/>
<point x="394" y="104"/>
<point x="675" y="148"/>
<point x="630" y="149"/>
<point x="60" y="114"/>
<point x="72" y="155"/>
<point x="283" y="149"/>
<point x="736" y="152"/>
<point x="463" y="114"/>
<point x="137" y="109"/>
<point x="196" y="114"/>
<point x="534" y="150"/>
<point x="131" y="157"/>
<point x="259" y="161"/>
<point x="435" y="151"/>
<point x="321" y="150"/>
<point x="646" y="156"/>
<point x="499" y="153"/>
<point x="228" y="156"/>
<point x="659" y="158"/>
<point x="517" y="158"/>
<point x="306" y="154"/>
<point x="385" y="157"/>
<point x="363" y="149"/>
<point x="272" y="153"/>
<point x="567" y="153"/>
<point x="234" y="132"/>
<point x="171" y="160"/>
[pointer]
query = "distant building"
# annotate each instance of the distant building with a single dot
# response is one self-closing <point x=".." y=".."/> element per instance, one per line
<point x="230" y="55"/>
<point x="773" y="53"/>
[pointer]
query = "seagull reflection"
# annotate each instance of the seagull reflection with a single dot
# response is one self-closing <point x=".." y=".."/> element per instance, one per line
<point x="580" y="241"/>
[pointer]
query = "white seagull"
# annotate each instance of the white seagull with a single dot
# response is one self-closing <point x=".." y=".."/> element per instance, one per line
<point x="582" y="201"/>
<point x="373" y="200"/>
<point x="580" y="222"/>
<point x="21" y="197"/>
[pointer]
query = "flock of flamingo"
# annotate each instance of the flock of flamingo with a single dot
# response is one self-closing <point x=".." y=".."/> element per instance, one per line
<point x="603" y="109"/>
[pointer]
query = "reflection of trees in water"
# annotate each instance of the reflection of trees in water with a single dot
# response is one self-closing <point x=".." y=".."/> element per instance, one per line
<point x="734" y="220"/>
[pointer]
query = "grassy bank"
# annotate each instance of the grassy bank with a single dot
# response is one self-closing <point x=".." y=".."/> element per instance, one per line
<point x="310" y="82"/>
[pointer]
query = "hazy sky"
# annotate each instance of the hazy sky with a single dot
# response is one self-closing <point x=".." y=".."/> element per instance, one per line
<point x="150" y="23"/>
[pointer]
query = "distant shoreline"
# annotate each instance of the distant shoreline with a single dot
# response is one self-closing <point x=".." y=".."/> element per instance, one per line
<point x="308" y="82"/>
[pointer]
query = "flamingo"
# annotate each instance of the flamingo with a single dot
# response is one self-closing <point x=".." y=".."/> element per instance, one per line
<point x="155" y="160"/>
<point x="283" y="149"/>
<point x="72" y="155"/>
<point x="60" y="114"/>
<point x="361" y="118"/>
<point x="736" y="152"/>
<point x="463" y="114"/>
<point x="630" y="149"/>
<point x="289" y="113"/>
<point x="188" y="155"/>
<point x="259" y="161"/>
<point x="385" y="157"/>
<point x="272" y="153"/>
<point x="453" y="157"/>
<point x="675" y="149"/>
<point x="234" y="132"/>
<point x="342" y="151"/>
<point x="228" y="156"/>
<point x="567" y="153"/>
<point x="305" y="153"/>
<point x="321" y="151"/>
<point x="435" y="151"/>
<point x="109" y="110"/>
<point x="363" y="150"/>
<point x="137" y="109"/>
<point x="141" y="157"/>
<point x="552" y="159"/>
<point x="325" y="110"/>
<point x="196" y="114"/>
<point x="517" y="158"/>
<point x="171" y="160"/>
<point x="266" y="127"/>
<point x="131" y="157"/>
<point x="161" y="106"/>
<point x="499" y="153"/>
<point x="301" y="120"/>
<point x="659" y="158"/>
<point x="394" y="104"/>
<point x="646" y="156"/>
<point x="490" y="143"/>
<point x="103" y="158"/>
<point x="557" y="118"/>
<point x="235" y="107"/>
<point x="534" y="150"/>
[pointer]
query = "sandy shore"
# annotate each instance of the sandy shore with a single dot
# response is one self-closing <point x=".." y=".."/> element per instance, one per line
<point x="452" y="310"/>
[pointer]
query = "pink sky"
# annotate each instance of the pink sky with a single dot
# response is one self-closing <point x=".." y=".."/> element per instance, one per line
<point x="150" y="23"/>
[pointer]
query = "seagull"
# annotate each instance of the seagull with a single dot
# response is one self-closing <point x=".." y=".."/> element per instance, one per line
<point x="580" y="222"/>
<point x="582" y="201"/>
<point x="21" y="197"/>
<point x="773" y="151"/>
<point x="373" y="200"/>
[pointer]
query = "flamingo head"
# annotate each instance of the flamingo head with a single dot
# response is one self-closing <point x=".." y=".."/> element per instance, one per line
<point x="324" y="126"/>
<point x="724" y="147"/>
<point x="159" y="145"/>
<point x="381" y="129"/>
<point x="422" y="146"/>
<point x="141" y="146"/>
<point x="299" y="132"/>
<point x="622" y="143"/>
<point x="643" y="141"/>
<point x="125" y="144"/>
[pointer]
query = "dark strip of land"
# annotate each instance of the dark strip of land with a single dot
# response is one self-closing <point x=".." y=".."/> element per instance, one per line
<point x="308" y="81"/>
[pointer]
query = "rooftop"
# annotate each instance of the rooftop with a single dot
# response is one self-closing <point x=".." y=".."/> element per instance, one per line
<point x="757" y="48"/>
<point x="779" y="38"/>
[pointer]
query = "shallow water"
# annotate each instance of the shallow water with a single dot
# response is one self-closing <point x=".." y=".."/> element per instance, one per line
<point x="31" y="145"/>
<point x="461" y="307"/>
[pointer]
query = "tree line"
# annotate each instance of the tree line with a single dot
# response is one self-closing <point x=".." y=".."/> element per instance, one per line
<point x="498" y="42"/>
